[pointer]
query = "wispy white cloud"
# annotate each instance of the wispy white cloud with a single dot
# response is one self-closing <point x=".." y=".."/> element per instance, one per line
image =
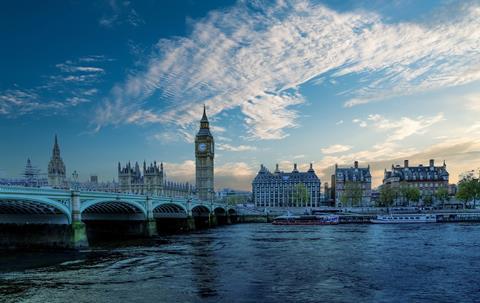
<point x="72" y="86"/>
<point x="120" y="12"/>
<point x="473" y="102"/>
<point x="255" y="56"/>
<point x="18" y="102"/>
<point x="68" y="67"/>
<point x="239" y="148"/>
<point x="360" y="123"/>
<point x="335" y="149"/>
<point x="405" y="126"/>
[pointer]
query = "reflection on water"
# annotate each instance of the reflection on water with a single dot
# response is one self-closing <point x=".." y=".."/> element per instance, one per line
<point x="260" y="263"/>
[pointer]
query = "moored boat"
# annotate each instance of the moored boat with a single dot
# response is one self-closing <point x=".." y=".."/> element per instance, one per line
<point x="306" y="220"/>
<point x="404" y="218"/>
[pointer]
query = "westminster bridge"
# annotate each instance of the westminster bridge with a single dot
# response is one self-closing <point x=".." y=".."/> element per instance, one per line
<point x="68" y="218"/>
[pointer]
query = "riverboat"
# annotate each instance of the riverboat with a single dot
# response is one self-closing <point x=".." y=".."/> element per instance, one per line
<point x="306" y="220"/>
<point x="404" y="218"/>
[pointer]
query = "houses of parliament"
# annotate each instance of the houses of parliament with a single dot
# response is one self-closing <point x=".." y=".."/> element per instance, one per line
<point x="146" y="179"/>
<point x="150" y="179"/>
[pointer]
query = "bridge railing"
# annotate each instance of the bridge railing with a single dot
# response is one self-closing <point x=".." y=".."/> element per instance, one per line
<point x="102" y="194"/>
<point x="27" y="190"/>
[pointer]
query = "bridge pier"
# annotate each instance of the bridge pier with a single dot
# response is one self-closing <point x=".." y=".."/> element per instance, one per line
<point x="212" y="220"/>
<point x="78" y="230"/>
<point x="151" y="228"/>
<point x="190" y="223"/>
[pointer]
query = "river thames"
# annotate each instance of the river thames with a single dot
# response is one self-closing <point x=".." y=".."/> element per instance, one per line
<point x="260" y="263"/>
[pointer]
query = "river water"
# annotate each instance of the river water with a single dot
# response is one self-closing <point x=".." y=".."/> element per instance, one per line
<point x="260" y="263"/>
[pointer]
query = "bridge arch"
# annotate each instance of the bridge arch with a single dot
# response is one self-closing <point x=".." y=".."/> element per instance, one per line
<point x="200" y="211"/>
<point x="170" y="210"/>
<point x="232" y="212"/>
<point x="219" y="211"/>
<point x="112" y="209"/>
<point x="38" y="210"/>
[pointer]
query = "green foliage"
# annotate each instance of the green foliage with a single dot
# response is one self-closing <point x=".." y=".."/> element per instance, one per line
<point x="428" y="200"/>
<point x="402" y="192"/>
<point x="413" y="194"/>
<point x="236" y="199"/>
<point x="442" y="195"/>
<point x="352" y="194"/>
<point x="387" y="196"/>
<point x="469" y="189"/>
<point x="300" y="195"/>
<point x="407" y="193"/>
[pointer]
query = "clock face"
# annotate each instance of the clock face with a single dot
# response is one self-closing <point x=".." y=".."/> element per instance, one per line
<point x="202" y="147"/>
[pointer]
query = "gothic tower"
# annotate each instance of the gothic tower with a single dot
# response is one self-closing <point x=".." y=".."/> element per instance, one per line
<point x="56" y="168"/>
<point x="204" y="153"/>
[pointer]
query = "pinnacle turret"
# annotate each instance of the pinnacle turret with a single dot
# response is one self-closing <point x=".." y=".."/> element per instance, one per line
<point x="204" y="117"/>
<point x="56" y="167"/>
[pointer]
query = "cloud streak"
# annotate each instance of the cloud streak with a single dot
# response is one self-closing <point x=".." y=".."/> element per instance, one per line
<point x="256" y="56"/>
<point x="336" y="148"/>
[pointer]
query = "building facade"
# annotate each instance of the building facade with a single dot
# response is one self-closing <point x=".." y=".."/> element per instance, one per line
<point x="149" y="181"/>
<point x="428" y="179"/>
<point x="286" y="189"/>
<point x="357" y="177"/>
<point x="56" y="168"/>
<point x="204" y="156"/>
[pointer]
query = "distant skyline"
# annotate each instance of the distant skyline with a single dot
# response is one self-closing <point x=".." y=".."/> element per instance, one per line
<point x="284" y="82"/>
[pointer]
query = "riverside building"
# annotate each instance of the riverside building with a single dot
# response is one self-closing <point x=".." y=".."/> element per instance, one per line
<point x="357" y="175"/>
<point x="428" y="179"/>
<point x="286" y="189"/>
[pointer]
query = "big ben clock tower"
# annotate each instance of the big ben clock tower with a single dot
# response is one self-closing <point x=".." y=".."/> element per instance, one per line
<point x="204" y="153"/>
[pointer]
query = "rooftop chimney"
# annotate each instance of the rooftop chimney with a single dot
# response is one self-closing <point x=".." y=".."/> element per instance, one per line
<point x="355" y="164"/>
<point x="295" y="167"/>
<point x="276" y="168"/>
<point x="432" y="162"/>
<point x="405" y="163"/>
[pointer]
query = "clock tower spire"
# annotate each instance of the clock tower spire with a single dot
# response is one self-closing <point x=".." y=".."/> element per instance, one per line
<point x="204" y="154"/>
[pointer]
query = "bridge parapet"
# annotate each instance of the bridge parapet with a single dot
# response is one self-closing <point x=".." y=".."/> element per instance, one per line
<point x="72" y="203"/>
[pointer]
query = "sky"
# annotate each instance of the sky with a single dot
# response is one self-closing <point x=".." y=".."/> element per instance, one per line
<point x="322" y="82"/>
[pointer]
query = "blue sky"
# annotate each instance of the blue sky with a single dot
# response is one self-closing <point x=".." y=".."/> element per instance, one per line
<point x="284" y="82"/>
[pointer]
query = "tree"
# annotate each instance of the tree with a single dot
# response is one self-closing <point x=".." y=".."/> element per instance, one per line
<point x="300" y="195"/>
<point x="442" y="195"/>
<point x="469" y="188"/>
<point x="427" y="200"/>
<point x="236" y="199"/>
<point x="352" y="194"/>
<point x="403" y="192"/>
<point x="413" y="194"/>
<point x="387" y="196"/>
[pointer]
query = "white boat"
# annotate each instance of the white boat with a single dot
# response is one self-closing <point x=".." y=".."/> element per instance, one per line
<point x="404" y="218"/>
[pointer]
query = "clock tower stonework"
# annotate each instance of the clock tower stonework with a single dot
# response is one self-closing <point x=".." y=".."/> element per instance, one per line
<point x="204" y="154"/>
